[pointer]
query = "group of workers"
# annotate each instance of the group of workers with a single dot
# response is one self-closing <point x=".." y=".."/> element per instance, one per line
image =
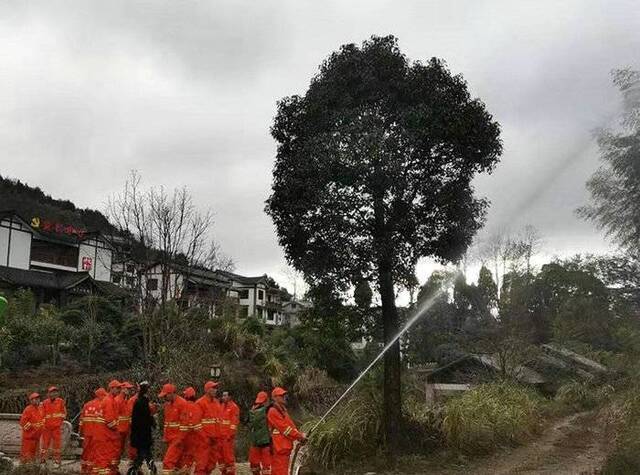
<point x="199" y="433"/>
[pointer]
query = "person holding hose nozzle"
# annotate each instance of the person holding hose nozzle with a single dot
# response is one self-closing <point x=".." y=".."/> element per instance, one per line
<point x="283" y="432"/>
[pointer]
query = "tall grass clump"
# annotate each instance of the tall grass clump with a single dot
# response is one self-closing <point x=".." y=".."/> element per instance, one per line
<point x="490" y="416"/>
<point x="351" y="431"/>
<point x="580" y="395"/>
<point x="625" y="456"/>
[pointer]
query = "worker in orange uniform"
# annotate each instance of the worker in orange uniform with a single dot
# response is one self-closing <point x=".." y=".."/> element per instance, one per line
<point x="90" y="421"/>
<point x="107" y="450"/>
<point x="194" y="439"/>
<point x="283" y="432"/>
<point x="54" y="412"/>
<point x="229" y="420"/>
<point x="260" y="437"/>
<point x="209" y="454"/>
<point x="32" y="424"/>
<point x="175" y="422"/>
<point x="124" y="412"/>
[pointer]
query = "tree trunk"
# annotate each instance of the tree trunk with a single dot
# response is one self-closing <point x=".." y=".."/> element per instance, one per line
<point x="392" y="405"/>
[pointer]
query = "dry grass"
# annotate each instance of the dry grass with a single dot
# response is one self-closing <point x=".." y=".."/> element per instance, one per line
<point x="490" y="416"/>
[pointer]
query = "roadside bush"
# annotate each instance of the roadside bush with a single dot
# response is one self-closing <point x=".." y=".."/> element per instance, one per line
<point x="491" y="415"/>
<point x="580" y="395"/>
<point x="625" y="456"/>
<point x="354" y="430"/>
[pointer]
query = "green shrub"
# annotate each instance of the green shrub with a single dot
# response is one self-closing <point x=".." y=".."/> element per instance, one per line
<point x="354" y="430"/>
<point x="625" y="456"/>
<point x="580" y="395"/>
<point x="351" y="431"/>
<point x="491" y="415"/>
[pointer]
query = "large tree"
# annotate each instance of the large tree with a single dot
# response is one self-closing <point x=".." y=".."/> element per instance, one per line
<point x="373" y="171"/>
<point x="614" y="187"/>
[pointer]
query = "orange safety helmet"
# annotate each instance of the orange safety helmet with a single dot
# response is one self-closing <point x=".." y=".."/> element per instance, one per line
<point x="210" y="384"/>
<point x="115" y="384"/>
<point x="167" y="389"/>
<point x="33" y="396"/>
<point x="127" y="385"/>
<point x="100" y="392"/>
<point x="261" y="398"/>
<point x="278" y="392"/>
<point x="52" y="389"/>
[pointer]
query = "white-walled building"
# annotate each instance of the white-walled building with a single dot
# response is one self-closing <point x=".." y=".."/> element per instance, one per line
<point x="259" y="297"/>
<point x="188" y="286"/>
<point x="55" y="261"/>
<point x="292" y="310"/>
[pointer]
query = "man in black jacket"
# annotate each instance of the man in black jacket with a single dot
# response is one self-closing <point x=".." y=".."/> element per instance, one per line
<point x="142" y="425"/>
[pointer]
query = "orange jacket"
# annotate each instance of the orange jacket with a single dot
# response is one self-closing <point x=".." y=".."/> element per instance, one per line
<point x="175" y="419"/>
<point x="110" y="413"/>
<point x="211" y="410"/>
<point x="125" y="409"/>
<point x="91" y="419"/>
<point x="193" y="419"/>
<point x="283" y="430"/>
<point x="32" y="422"/>
<point x="54" y="413"/>
<point x="229" y="419"/>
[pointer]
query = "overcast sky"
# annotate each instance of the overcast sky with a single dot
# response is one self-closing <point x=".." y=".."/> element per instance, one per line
<point x="185" y="92"/>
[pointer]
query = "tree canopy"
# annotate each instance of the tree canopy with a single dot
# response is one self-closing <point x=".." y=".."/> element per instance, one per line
<point x="377" y="159"/>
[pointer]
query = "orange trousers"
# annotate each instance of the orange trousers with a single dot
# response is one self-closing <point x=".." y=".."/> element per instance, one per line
<point x="195" y="452"/>
<point x="227" y="454"/>
<point x="102" y="455"/>
<point x="29" y="449"/>
<point x="51" y="438"/>
<point x="207" y="455"/>
<point x="86" y="460"/>
<point x="172" y="455"/>
<point x="260" y="460"/>
<point x="280" y="464"/>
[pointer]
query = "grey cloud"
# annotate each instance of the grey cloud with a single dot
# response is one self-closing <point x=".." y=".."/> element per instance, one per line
<point x="185" y="92"/>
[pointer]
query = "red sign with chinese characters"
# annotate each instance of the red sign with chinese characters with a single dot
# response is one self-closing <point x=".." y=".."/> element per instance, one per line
<point x="87" y="263"/>
<point x="51" y="227"/>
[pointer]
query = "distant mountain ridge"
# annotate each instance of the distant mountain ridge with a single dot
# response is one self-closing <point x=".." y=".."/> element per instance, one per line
<point x="30" y="202"/>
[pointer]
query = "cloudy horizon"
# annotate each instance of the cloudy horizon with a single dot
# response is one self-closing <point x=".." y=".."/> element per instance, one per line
<point x="185" y="93"/>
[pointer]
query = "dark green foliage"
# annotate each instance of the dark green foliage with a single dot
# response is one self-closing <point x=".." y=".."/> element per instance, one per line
<point x="377" y="137"/>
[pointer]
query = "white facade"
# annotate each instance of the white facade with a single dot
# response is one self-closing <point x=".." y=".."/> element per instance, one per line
<point x="94" y="256"/>
<point x="258" y="299"/>
<point x="15" y="243"/>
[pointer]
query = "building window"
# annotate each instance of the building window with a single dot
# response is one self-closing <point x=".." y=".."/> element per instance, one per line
<point x="53" y="253"/>
<point x="270" y="316"/>
<point x="260" y="294"/>
<point x="243" y="294"/>
<point x="117" y="278"/>
<point x="244" y="312"/>
<point x="131" y="268"/>
<point x="152" y="284"/>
